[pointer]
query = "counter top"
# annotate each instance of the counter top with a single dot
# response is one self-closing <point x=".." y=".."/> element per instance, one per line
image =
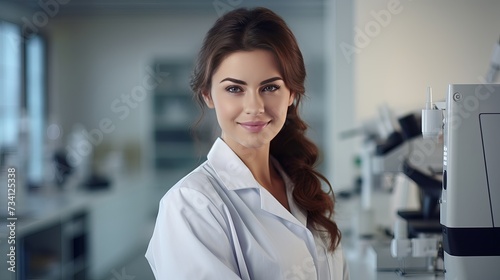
<point x="361" y="253"/>
<point x="50" y="205"/>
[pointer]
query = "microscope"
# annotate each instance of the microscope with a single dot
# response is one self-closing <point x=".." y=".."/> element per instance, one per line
<point x="470" y="198"/>
<point x="468" y="122"/>
<point x="417" y="232"/>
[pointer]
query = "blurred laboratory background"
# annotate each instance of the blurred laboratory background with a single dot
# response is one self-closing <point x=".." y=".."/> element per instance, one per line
<point x="96" y="113"/>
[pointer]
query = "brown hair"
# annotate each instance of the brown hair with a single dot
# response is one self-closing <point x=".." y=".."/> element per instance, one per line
<point x="259" y="28"/>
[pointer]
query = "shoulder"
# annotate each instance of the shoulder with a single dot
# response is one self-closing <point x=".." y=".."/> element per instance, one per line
<point x="201" y="179"/>
<point x="199" y="185"/>
<point x="195" y="202"/>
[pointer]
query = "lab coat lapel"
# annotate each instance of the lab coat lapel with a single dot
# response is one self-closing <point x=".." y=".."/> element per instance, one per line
<point x="269" y="204"/>
<point x="297" y="212"/>
<point x="233" y="173"/>
<point x="298" y="219"/>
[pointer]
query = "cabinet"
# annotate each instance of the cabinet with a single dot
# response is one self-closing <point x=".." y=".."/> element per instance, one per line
<point x="80" y="234"/>
<point x="177" y="143"/>
<point x="58" y="251"/>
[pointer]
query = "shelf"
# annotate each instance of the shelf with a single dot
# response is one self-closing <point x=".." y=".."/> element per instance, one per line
<point x="174" y="113"/>
<point x="175" y="74"/>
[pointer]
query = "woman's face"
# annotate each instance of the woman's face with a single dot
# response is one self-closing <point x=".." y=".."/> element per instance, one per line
<point x="250" y="99"/>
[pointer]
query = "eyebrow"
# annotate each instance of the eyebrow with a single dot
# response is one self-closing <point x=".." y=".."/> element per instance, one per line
<point x="244" y="83"/>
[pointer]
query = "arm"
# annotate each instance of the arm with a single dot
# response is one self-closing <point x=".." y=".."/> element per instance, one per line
<point x="191" y="239"/>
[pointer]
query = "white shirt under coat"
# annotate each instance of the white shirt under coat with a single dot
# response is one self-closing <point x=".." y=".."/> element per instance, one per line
<point x="219" y="223"/>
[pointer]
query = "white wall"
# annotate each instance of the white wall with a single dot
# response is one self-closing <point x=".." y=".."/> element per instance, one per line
<point x="423" y="43"/>
<point x="393" y="59"/>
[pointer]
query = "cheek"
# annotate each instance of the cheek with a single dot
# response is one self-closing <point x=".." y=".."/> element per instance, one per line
<point x="226" y="110"/>
<point x="281" y="109"/>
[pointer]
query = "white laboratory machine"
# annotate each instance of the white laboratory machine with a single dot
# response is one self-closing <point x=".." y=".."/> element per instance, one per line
<point x="470" y="199"/>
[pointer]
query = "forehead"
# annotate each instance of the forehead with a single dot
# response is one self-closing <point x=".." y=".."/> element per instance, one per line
<point x="248" y="65"/>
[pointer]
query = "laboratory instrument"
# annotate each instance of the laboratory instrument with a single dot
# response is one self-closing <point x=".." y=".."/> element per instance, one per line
<point x="470" y="198"/>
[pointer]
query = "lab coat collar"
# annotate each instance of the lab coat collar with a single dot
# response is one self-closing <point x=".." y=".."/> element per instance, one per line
<point x="297" y="212"/>
<point x="235" y="175"/>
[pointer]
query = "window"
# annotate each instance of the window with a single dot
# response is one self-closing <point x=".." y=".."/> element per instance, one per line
<point x="22" y="123"/>
<point x="10" y="84"/>
<point x="35" y="105"/>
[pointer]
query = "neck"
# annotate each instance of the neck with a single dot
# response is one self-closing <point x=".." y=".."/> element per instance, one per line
<point x="258" y="161"/>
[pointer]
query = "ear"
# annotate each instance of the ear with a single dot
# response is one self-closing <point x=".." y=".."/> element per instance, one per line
<point x="208" y="99"/>
<point x="292" y="98"/>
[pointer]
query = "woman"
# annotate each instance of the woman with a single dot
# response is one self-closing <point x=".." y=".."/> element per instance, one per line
<point x="255" y="209"/>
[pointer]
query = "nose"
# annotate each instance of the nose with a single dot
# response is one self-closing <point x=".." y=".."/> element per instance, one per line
<point x="253" y="104"/>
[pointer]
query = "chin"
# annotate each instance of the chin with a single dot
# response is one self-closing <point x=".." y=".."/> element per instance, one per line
<point x="254" y="142"/>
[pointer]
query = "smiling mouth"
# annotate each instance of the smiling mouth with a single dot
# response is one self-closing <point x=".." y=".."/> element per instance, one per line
<point x="254" y="126"/>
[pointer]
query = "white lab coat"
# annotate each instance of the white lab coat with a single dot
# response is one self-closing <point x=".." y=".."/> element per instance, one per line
<point x="219" y="223"/>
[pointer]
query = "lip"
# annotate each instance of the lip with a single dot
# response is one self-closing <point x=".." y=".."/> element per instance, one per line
<point x="254" y="126"/>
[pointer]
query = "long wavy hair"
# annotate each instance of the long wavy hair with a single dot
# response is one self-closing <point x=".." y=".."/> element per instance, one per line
<point x="260" y="28"/>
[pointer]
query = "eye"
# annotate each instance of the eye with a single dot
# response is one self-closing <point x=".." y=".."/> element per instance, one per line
<point x="270" y="88"/>
<point x="234" y="89"/>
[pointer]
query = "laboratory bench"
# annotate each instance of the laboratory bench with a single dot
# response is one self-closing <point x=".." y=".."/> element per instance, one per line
<point x="362" y="266"/>
<point x="81" y="234"/>
<point x="369" y="258"/>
